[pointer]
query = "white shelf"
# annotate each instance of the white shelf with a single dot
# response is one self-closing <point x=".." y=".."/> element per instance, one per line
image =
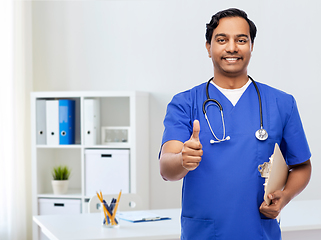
<point x="77" y="146"/>
<point x="117" y="109"/>
<point x="124" y="146"/>
<point x="59" y="146"/>
<point x="72" y="193"/>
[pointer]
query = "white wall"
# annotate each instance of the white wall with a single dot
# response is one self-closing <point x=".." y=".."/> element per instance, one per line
<point x="158" y="46"/>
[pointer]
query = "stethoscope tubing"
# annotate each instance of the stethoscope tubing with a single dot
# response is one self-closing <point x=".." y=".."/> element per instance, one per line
<point x="221" y="110"/>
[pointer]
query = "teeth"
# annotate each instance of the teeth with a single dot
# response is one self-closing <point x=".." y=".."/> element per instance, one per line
<point x="231" y="59"/>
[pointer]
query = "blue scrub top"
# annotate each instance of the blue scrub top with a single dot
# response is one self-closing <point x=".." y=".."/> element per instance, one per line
<point x="221" y="198"/>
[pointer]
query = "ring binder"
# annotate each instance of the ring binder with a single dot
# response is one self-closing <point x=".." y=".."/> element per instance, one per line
<point x="67" y="121"/>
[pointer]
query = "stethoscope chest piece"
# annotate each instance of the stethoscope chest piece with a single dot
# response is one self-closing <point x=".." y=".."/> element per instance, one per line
<point x="261" y="134"/>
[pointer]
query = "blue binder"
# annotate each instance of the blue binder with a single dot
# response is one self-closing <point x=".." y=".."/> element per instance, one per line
<point x="66" y="122"/>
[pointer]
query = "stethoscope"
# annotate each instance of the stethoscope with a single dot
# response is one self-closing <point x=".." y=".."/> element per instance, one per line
<point x="260" y="134"/>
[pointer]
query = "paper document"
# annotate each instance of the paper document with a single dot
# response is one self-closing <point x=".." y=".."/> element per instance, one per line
<point x="140" y="216"/>
<point x="275" y="173"/>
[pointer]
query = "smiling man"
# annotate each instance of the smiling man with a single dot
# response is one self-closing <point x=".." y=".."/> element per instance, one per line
<point x="230" y="49"/>
<point x="217" y="154"/>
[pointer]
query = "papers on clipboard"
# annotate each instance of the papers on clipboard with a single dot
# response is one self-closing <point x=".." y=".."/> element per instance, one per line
<point x="140" y="216"/>
<point x="275" y="173"/>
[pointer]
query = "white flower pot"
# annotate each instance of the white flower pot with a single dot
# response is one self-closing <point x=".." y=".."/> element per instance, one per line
<point x="60" y="186"/>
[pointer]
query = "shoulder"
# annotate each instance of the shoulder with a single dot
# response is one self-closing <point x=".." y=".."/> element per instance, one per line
<point x="190" y="95"/>
<point x="180" y="115"/>
<point x="280" y="96"/>
<point x="278" y="100"/>
<point x="192" y="91"/>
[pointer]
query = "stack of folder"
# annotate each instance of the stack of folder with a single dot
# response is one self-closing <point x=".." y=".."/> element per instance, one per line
<point x="55" y="122"/>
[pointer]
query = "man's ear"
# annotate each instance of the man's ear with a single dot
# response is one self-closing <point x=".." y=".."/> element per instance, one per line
<point x="208" y="47"/>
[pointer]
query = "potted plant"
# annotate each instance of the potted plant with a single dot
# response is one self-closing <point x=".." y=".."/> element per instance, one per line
<point x="60" y="180"/>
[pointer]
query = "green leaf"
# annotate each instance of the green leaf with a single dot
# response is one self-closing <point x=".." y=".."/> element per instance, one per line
<point x="61" y="173"/>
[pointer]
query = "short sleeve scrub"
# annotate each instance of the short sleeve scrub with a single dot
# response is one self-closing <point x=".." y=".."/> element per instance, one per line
<point x="221" y="198"/>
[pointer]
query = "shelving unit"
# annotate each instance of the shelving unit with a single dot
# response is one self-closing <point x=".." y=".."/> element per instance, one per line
<point x="126" y="109"/>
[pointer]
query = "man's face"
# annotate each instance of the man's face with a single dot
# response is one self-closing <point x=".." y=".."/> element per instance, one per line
<point x="231" y="47"/>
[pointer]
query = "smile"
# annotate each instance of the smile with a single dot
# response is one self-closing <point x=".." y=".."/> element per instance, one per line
<point x="231" y="59"/>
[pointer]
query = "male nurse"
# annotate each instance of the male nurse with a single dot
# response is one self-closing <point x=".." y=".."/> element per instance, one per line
<point x="217" y="156"/>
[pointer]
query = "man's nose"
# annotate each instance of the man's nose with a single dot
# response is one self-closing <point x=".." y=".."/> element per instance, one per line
<point x="231" y="47"/>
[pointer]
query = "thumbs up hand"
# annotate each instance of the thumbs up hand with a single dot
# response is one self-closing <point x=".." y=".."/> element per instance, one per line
<point x="192" y="150"/>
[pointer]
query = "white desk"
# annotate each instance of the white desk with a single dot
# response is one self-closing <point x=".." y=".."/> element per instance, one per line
<point x="296" y="216"/>
<point x="88" y="226"/>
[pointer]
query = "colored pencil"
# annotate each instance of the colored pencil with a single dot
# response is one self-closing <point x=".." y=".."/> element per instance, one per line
<point x="115" y="210"/>
<point x="103" y="206"/>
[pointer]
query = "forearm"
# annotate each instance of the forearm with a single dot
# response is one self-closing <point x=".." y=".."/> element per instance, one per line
<point x="178" y="158"/>
<point x="171" y="167"/>
<point x="298" y="179"/>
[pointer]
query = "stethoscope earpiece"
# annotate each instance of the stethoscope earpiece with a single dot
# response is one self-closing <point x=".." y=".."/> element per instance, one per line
<point x="260" y="134"/>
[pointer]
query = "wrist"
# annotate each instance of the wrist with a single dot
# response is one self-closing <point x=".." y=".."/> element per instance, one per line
<point x="185" y="167"/>
<point x="287" y="196"/>
<point x="182" y="161"/>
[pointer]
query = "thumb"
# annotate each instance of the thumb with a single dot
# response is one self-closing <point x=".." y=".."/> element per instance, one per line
<point x="275" y="195"/>
<point x="196" y="130"/>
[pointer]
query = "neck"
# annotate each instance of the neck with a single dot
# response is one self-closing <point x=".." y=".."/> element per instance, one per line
<point x="228" y="82"/>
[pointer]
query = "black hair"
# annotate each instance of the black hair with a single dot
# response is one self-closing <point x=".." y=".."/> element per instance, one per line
<point x="231" y="12"/>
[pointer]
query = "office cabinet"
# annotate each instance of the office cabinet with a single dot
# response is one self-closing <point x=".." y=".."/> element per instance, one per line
<point x="92" y="160"/>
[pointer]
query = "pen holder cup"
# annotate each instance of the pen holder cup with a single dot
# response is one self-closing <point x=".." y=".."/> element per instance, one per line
<point x="109" y="223"/>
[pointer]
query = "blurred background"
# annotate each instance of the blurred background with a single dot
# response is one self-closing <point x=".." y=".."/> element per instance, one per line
<point x="157" y="46"/>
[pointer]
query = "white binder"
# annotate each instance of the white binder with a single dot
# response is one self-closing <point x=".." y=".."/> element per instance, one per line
<point x="91" y="121"/>
<point x="52" y="121"/>
<point x="41" y="136"/>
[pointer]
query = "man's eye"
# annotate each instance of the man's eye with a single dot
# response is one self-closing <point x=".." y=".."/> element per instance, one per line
<point x="220" y="40"/>
<point x="242" y="41"/>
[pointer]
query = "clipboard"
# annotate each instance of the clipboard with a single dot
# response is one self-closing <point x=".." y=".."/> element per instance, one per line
<point x="275" y="173"/>
<point x="140" y="216"/>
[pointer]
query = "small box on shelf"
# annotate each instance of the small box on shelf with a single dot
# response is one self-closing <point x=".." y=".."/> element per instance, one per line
<point x="115" y="135"/>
